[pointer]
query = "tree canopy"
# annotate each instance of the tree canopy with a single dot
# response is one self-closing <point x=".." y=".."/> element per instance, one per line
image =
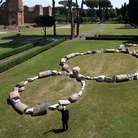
<point x="44" y="21"/>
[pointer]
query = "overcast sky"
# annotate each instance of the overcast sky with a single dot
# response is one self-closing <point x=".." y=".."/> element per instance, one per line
<point x="30" y="3"/>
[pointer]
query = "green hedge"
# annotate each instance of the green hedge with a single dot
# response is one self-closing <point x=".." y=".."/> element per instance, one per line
<point x="111" y="38"/>
<point x="14" y="62"/>
<point x="119" y="36"/>
<point x="18" y="50"/>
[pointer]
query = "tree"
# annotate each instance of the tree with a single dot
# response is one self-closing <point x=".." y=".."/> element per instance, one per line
<point x="65" y="4"/>
<point x="92" y="4"/>
<point x="54" y="17"/>
<point x="72" y="20"/>
<point x="79" y="17"/>
<point x="133" y="12"/>
<point x="44" y="21"/>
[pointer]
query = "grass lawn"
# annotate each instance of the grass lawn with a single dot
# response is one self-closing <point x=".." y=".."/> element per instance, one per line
<point x="6" y="47"/>
<point x="117" y="29"/>
<point x="38" y="32"/>
<point x="104" y="110"/>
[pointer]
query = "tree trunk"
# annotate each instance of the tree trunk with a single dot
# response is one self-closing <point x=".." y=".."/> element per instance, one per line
<point x="79" y="18"/>
<point x="45" y="32"/>
<point x="54" y="17"/>
<point x="72" y="20"/>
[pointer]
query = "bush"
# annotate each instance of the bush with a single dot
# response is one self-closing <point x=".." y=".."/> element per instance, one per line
<point x="18" y="50"/>
<point x="14" y="62"/>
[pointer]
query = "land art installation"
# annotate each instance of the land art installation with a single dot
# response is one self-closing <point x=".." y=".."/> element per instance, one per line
<point x="42" y="109"/>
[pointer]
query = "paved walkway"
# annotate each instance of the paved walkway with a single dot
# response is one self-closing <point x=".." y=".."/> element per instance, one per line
<point x="42" y="42"/>
<point x="84" y="35"/>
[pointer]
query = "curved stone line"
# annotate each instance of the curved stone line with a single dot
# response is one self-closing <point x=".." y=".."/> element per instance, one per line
<point x="116" y="78"/>
<point x="42" y="109"/>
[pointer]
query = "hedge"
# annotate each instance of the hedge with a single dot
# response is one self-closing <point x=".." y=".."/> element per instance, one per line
<point x="14" y="62"/>
<point x="18" y="50"/>
<point x="111" y="38"/>
<point x="119" y="36"/>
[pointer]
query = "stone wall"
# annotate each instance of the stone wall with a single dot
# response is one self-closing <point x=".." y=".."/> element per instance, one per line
<point x="13" y="12"/>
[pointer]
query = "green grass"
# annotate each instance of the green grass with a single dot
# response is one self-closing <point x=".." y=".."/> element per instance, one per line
<point x="6" y="47"/>
<point x="104" y="110"/>
<point x="117" y="29"/>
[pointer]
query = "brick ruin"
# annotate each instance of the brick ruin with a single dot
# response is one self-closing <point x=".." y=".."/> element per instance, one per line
<point x="14" y="12"/>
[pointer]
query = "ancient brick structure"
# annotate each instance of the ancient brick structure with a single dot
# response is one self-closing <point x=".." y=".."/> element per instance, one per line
<point x="31" y="12"/>
<point x="13" y="12"/>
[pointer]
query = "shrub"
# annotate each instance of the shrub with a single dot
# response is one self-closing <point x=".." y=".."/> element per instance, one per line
<point x="18" y="50"/>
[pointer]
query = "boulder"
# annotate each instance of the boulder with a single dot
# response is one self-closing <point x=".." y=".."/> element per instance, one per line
<point x="30" y="79"/>
<point x="65" y="67"/>
<point x="35" y="78"/>
<point x="64" y="102"/>
<point x="62" y="61"/>
<point x="21" y="107"/>
<point x="54" y="72"/>
<point x="100" y="78"/>
<point x="14" y="95"/>
<point x="109" y="80"/>
<point x="41" y="109"/>
<point x="55" y="106"/>
<point x="70" y="56"/>
<point x="29" y="111"/>
<point x="80" y="77"/>
<point x="80" y="93"/>
<point x="109" y="51"/>
<point x="21" y="89"/>
<point x="128" y="45"/>
<point x="45" y="74"/>
<point x="21" y="84"/>
<point x="76" y="71"/>
<point x="121" y="78"/>
<point x="73" y="98"/>
<point x="134" y="53"/>
<point x="77" y="54"/>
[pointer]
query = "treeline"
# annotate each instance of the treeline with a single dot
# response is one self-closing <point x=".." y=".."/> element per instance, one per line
<point x="128" y="13"/>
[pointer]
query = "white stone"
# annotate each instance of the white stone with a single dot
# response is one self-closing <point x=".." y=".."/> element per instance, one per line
<point x="35" y="78"/>
<point x="54" y="106"/>
<point x="64" y="102"/>
<point x="29" y="111"/>
<point x="54" y="72"/>
<point x="80" y="93"/>
<point x="30" y="79"/>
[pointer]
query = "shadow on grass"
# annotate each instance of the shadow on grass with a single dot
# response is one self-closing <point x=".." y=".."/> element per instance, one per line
<point x="55" y="131"/>
<point x="128" y="41"/>
<point x="15" y="37"/>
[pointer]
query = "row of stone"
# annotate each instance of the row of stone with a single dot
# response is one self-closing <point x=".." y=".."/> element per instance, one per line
<point x="14" y="96"/>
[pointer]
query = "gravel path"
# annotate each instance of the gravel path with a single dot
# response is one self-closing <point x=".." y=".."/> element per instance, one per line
<point x="30" y="40"/>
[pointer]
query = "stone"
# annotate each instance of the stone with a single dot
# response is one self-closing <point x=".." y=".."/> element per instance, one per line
<point x="128" y="45"/>
<point x="70" y="56"/>
<point x="21" y="107"/>
<point x="62" y="61"/>
<point x="21" y="89"/>
<point x="35" y="78"/>
<point x="73" y="98"/>
<point x="65" y="67"/>
<point x="64" y="102"/>
<point x="94" y="52"/>
<point x="21" y="84"/>
<point x="80" y="77"/>
<point x="109" y="80"/>
<point x="14" y="95"/>
<point x="121" y="78"/>
<point x="25" y="82"/>
<point x="29" y="111"/>
<point x="100" y="78"/>
<point x="87" y="52"/>
<point x="30" y="79"/>
<point x="109" y="51"/>
<point x="54" y="72"/>
<point x="41" y="109"/>
<point x="76" y="71"/>
<point x="77" y="54"/>
<point x="80" y="93"/>
<point x="55" y="106"/>
<point x="45" y="74"/>
<point x="133" y="53"/>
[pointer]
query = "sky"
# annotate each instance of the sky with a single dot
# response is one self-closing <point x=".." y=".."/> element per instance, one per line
<point x="44" y="3"/>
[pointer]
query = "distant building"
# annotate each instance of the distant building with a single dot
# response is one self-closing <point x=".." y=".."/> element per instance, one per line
<point x="14" y="12"/>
